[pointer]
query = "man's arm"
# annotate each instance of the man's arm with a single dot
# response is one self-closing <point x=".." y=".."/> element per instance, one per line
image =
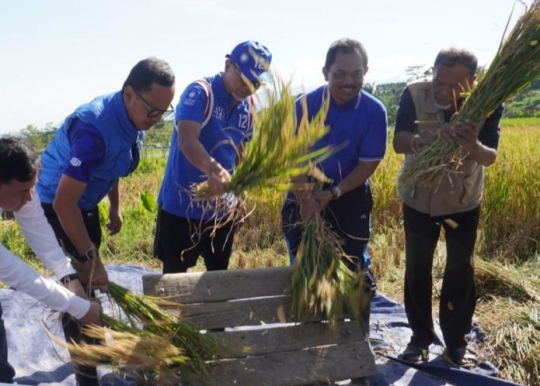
<point x="115" y="217"/>
<point x="405" y="140"/>
<point x="67" y="209"/>
<point x="466" y="134"/>
<point x="40" y="236"/>
<point x="20" y="276"/>
<point x="359" y="175"/>
<point x="193" y="149"/>
<point x="481" y="145"/>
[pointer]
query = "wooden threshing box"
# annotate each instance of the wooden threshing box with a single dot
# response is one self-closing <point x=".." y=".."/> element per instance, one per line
<point x="264" y="346"/>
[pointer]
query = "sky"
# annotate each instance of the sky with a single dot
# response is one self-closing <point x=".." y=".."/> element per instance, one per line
<point x="58" y="54"/>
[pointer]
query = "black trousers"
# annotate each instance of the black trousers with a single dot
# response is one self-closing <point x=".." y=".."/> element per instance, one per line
<point x="180" y="241"/>
<point x="458" y="295"/>
<point x="7" y="372"/>
<point x="86" y="375"/>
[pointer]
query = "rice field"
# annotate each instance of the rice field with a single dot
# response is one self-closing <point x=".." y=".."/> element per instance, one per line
<point x="508" y="282"/>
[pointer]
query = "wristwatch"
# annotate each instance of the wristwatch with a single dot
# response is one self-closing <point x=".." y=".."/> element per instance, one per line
<point x="66" y="279"/>
<point x="336" y="192"/>
<point x="89" y="254"/>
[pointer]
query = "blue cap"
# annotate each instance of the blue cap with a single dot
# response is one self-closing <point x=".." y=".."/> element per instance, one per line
<point x="251" y="58"/>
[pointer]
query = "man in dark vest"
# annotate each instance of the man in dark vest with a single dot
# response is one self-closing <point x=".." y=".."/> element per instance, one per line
<point x="451" y="203"/>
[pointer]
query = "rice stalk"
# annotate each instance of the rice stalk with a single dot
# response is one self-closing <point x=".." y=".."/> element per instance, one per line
<point x="515" y="66"/>
<point x="321" y="282"/>
<point x="126" y="348"/>
<point x="151" y="339"/>
<point x="279" y="149"/>
<point x="515" y="343"/>
<point x="147" y="311"/>
<point x="495" y="279"/>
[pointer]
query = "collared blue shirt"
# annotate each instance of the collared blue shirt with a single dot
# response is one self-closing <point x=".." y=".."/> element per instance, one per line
<point x="227" y="128"/>
<point x="359" y="126"/>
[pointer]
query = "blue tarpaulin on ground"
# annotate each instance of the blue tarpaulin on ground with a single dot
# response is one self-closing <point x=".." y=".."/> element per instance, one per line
<point x="39" y="361"/>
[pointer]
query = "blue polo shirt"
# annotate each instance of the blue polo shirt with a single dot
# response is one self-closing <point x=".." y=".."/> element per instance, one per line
<point x="360" y="126"/>
<point x="226" y="130"/>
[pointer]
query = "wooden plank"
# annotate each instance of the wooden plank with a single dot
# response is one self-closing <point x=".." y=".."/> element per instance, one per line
<point x="215" y="286"/>
<point x="283" y="338"/>
<point x="301" y="367"/>
<point x="251" y="312"/>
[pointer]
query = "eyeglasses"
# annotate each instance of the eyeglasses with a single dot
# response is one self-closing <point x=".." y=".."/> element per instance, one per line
<point x="154" y="112"/>
<point x="357" y="75"/>
<point x="253" y="83"/>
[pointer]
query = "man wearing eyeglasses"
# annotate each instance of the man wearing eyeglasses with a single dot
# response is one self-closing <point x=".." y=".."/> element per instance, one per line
<point x="95" y="147"/>
<point x="212" y="122"/>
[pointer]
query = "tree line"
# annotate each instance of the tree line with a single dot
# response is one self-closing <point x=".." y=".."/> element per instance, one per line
<point x="524" y="104"/>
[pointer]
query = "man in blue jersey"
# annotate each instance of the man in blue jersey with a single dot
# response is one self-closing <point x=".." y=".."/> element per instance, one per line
<point x="212" y="122"/>
<point x="95" y="147"/>
<point x="358" y="124"/>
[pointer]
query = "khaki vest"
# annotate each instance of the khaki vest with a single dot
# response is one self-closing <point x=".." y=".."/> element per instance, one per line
<point x="454" y="193"/>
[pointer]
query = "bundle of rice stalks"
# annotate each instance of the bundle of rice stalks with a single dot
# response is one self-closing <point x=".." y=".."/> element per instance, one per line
<point x="515" y="66"/>
<point x="127" y="348"/>
<point x="151" y="339"/>
<point x="147" y="311"/>
<point x="321" y="281"/>
<point x="494" y="279"/>
<point x="279" y="149"/>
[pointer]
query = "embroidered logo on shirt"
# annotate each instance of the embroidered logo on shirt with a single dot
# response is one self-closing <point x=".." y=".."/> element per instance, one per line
<point x="75" y="162"/>
<point x="191" y="97"/>
<point x="219" y="113"/>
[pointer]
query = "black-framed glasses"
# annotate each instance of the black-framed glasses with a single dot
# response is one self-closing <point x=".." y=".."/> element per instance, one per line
<point x="154" y="112"/>
<point x="253" y="83"/>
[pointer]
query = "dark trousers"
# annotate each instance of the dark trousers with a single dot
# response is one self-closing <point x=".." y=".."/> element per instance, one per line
<point x="458" y="295"/>
<point x="7" y="373"/>
<point x="179" y="242"/>
<point x="86" y="375"/>
<point x="349" y="218"/>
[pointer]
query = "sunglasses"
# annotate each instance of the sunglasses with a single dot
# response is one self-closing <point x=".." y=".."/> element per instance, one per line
<point x="254" y="83"/>
<point x="152" y="111"/>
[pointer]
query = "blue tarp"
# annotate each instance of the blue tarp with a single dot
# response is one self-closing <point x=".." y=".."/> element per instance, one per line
<point x="38" y="361"/>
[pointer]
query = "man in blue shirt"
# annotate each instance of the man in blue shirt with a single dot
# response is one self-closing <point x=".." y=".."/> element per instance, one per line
<point x="212" y="122"/>
<point x="95" y="147"/>
<point x="358" y="124"/>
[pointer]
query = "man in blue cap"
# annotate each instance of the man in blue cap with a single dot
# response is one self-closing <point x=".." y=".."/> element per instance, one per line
<point x="212" y="121"/>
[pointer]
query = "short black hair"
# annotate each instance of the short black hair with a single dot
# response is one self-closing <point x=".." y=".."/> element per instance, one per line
<point x="453" y="56"/>
<point x="347" y="46"/>
<point x="148" y="71"/>
<point x="17" y="161"/>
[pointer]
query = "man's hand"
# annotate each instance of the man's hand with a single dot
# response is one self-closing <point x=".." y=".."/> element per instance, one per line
<point x="466" y="134"/>
<point x="115" y="221"/>
<point x="309" y="207"/>
<point x="323" y="198"/>
<point x="217" y="178"/>
<point x="95" y="276"/>
<point x="93" y="316"/>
